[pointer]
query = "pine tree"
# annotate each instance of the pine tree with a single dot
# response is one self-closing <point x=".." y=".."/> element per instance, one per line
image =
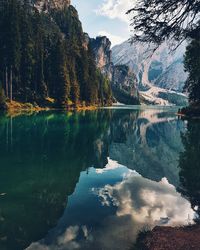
<point x="192" y="66"/>
<point x="46" y="55"/>
<point x="27" y="58"/>
<point x="62" y="76"/>
<point x="40" y="88"/>
<point x="2" y="98"/>
<point x="10" y="43"/>
<point x="75" y="89"/>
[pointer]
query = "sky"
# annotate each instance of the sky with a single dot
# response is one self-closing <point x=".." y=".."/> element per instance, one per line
<point x="105" y="17"/>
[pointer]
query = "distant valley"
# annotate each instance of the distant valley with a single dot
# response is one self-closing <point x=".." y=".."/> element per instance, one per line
<point x="160" y="75"/>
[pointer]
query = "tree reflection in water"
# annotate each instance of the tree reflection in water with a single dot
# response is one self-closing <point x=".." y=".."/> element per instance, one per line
<point x="189" y="164"/>
<point x="42" y="156"/>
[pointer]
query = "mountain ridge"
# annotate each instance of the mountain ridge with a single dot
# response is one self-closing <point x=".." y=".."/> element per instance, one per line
<point x="158" y="74"/>
<point x="123" y="80"/>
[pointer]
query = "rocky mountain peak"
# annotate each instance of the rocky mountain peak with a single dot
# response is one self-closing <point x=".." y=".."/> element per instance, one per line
<point x="102" y="49"/>
<point x="122" y="79"/>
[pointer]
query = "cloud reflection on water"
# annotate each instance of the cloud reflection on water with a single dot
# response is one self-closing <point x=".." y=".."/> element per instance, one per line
<point x="148" y="202"/>
<point x="140" y="204"/>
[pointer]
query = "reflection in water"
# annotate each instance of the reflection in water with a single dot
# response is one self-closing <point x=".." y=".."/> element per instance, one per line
<point x="189" y="164"/>
<point x="41" y="168"/>
<point x="140" y="203"/>
<point x="148" y="142"/>
<point x="64" y="184"/>
<point x="148" y="202"/>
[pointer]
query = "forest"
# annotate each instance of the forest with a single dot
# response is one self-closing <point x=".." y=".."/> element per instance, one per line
<point x="46" y="60"/>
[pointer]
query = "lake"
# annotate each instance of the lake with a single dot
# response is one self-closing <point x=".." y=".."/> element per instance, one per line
<point x="96" y="179"/>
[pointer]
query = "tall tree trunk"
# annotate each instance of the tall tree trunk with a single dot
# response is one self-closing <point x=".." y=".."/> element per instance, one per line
<point x="11" y="86"/>
<point x="6" y="82"/>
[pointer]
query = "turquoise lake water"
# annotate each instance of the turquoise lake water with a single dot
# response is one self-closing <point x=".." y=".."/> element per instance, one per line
<point x="95" y="179"/>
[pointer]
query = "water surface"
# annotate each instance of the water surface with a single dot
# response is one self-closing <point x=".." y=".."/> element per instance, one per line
<point x="94" y="180"/>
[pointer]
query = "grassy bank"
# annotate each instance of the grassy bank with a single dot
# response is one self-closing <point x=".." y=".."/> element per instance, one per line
<point x="16" y="107"/>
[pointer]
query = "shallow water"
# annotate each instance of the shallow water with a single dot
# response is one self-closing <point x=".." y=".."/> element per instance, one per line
<point x="94" y="180"/>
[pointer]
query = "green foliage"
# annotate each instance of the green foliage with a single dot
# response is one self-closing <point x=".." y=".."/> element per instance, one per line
<point x="2" y="99"/>
<point x="61" y="76"/>
<point x="124" y="97"/>
<point x="176" y="99"/>
<point x="46" y="55"/>
<point x="192" y="66"/>
<point x="157" y="20"/>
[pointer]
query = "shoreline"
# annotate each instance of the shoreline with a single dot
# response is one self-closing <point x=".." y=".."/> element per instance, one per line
<point x="17" y="108"/>
<point x="190" y="112"/>
<point x="169" y="238"/>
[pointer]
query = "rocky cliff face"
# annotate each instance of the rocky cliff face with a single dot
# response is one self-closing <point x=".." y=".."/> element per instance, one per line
<point x="157" y="73"/>
<point x="122" y="78"/>
<point x="101" y="47"/>
<point x="124" y="85"/>
<point x="102" y="52"/>
<point x="46" y="5"/>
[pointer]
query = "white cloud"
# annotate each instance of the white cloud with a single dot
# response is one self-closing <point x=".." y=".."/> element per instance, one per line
<point x="115" y="9"/>
<point x="113" y="38"/>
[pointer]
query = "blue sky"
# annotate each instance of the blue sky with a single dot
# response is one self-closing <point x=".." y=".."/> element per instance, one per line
<point x="105" y="17"/>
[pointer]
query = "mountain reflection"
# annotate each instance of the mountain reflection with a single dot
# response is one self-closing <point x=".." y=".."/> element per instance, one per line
<point x="148" y="142"/>
<point x="81" y="180"/>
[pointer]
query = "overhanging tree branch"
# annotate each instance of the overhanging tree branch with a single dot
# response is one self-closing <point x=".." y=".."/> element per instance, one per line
<point x="157" y="20"/>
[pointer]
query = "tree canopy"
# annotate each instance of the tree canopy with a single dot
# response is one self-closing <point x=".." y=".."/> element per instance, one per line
<point x="44" y="59"/>
<point x="157" y="20"/>
<point x="192" y="66"/>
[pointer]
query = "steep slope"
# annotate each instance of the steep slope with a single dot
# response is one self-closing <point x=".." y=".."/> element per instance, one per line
<point x="46" y="5"/>
<point x="44" y="57"/>
<point x="160" y="73"/>
<point x="124" y="85"/>
<point x="123" y="80"/>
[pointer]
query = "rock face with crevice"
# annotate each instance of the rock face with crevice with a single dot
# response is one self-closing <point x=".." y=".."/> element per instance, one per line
<point x="124" y="85"/>
<point x="101" y="47"/>
<point x="123" y="80"/>
<point x="46" y="5"/>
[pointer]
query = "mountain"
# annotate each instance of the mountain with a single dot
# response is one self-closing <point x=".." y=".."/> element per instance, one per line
<point x="46" y="5"/>
<point x="160" y="74"/>
<point x="123" y="80"/>
<point x="44" y="56"/>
